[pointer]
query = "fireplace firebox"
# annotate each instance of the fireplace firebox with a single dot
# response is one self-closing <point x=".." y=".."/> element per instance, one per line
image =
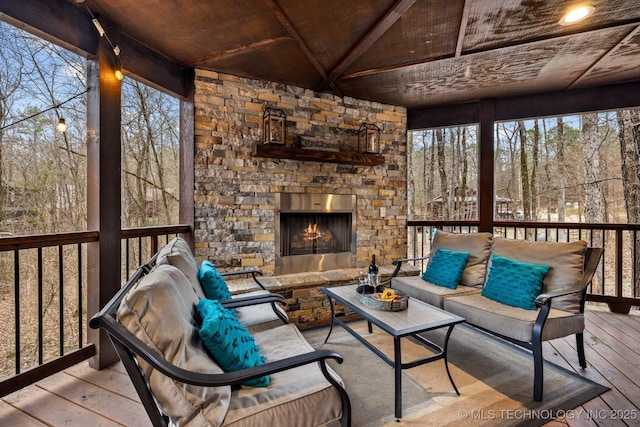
<point x="314" y="232"/>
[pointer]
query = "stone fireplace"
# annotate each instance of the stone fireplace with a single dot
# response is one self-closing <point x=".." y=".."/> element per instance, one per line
<point x="241" y="195"/>
<point x="314" y="232"/>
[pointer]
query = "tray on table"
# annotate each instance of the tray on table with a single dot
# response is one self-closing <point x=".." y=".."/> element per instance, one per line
<point x="369" y="297"/>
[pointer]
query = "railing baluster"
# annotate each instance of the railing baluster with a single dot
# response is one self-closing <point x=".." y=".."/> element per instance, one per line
<point x="25" y="333"/>
<point x="40" y="309"/>
<point x="80" y="299"/>
<point x="16" y="302"/>
<point x="61" y="298"/>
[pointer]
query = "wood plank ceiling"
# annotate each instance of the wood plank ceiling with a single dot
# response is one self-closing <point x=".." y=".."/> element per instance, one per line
<point x="413" y="53"/>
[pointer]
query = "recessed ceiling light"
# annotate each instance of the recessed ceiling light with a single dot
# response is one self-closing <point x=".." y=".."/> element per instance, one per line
<point x="577" y="14"/>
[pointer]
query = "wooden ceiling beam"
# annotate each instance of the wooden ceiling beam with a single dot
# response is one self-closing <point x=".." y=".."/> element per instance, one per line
<point x="240" y="50"/>
<point x="606" y="55"/>
<point x="57" y="21"/>
<point x="70" y="26"/>
<point x="381" y="27"/>
<point x="466" y="10"/>
<point x="286" y="23"/>
<point x="549" y="104"/>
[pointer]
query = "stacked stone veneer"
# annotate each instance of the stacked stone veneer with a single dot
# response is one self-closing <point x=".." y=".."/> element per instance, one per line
<point x="235" y="191"/>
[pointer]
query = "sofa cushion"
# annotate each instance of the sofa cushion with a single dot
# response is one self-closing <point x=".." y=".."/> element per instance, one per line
<point x="178" y="253"/>
<point x="478" y="245"/>
<point x="416" y="287"/>
<point x="445" y="268"/>
<point x="259" y="316"/>
<point x="513" y="322"/>
<point x="160" y="311"/>
<point x="299" y="397"/>
<point x="228" y="342"/>
<point x="213" y="284"/>
<point x="565" y="261"/>
<point x="514" y="283"/>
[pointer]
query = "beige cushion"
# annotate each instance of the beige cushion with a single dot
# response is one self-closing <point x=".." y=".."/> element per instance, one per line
<point x="160" y="311"/>
<point x="259" y="316"/>
<point x="565" y="259"/>
<point x="425" y="291"/>
<point x="178" y="253"/>
<point x="298" y="397"/>
<point x="478" y="245"/>
<point x="513" y="322"/>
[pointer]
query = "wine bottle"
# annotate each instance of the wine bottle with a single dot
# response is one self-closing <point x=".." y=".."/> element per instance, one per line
<point x="373" y="268"/>
<point x="374" y="277"/>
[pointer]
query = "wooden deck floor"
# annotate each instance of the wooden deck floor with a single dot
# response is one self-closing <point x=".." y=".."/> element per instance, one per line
<point x="81" y="396"/>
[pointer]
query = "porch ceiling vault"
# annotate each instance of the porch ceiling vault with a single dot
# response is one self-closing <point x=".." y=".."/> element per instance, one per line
<point x="413" y="53"/>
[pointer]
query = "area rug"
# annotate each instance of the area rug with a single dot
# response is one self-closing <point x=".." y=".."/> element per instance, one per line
<point x="495" y="380"/>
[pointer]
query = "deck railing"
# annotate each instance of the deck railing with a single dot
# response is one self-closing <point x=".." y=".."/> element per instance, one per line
<point x="617" y="280"/>
<point x="43" y="294"/>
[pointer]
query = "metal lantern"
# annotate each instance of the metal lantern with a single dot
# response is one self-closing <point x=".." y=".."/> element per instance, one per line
<point x="274" y="126"/>
<point x="369" y="139"/>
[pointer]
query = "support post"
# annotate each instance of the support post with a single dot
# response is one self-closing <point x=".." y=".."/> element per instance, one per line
<point x="187" y="147"/>
<point x="103" y="193"/>
<point x="486" y="179"/>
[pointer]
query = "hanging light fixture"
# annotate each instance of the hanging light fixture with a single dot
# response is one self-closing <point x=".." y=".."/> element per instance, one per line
<point x="118" y="73"/>
<point x="62" y="125"/>
<point x="116" y="49"/>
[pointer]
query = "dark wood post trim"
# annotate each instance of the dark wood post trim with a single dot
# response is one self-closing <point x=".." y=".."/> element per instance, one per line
<point x="187" y="149"/>
<point x="103" y="193"/>
<point x="486" y="178"/>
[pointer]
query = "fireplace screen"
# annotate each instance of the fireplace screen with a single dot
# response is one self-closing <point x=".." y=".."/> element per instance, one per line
<point x="315" y="233"/>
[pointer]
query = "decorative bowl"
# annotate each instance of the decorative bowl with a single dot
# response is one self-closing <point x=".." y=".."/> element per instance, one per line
<point x="373" y="300"/>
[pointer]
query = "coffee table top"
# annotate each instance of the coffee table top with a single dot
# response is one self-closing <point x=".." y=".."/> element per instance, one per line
<point x="418" y="317"/>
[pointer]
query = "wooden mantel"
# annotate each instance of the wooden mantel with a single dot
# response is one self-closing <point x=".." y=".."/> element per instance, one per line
<point x="311" y="155"/>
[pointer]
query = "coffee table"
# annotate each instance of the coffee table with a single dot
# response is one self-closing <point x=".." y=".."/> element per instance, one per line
<point x="417" y="318"/>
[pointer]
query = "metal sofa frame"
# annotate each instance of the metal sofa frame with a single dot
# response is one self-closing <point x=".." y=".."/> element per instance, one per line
<point x="129" y="348"/>
<point x="543" y="302"/>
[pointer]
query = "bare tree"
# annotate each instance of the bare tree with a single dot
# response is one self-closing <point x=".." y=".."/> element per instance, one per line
<point x="561" y="168"/>
<point x="629" y="136"/>
<point x="442" y="170"/>
<point x="524" y="171"/>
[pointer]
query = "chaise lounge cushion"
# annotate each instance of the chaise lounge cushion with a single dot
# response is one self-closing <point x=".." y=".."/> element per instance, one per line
<point x="565" y="261"/>
<point x="160" y="311"/>
<point x="294" y="395"/>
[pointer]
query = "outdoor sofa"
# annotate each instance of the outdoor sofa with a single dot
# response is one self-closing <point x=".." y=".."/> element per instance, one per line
<point x="172" y="340"/>
<point x="523" y="291"/>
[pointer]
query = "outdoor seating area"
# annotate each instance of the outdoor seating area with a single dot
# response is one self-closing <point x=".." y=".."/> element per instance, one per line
<point x="189" y="348"/>
<point x="514" y="299"/>
<point x="80" y="396"/>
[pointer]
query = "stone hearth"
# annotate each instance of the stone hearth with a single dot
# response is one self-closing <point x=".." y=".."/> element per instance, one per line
<point x="307" y="306"/>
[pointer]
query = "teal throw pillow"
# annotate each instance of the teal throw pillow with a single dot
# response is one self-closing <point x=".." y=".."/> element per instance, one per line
<point x="446" y="267"/>
<point x="514" y="283"/>
<point x="228" y="341"/>
<point x="212" y="282"/>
